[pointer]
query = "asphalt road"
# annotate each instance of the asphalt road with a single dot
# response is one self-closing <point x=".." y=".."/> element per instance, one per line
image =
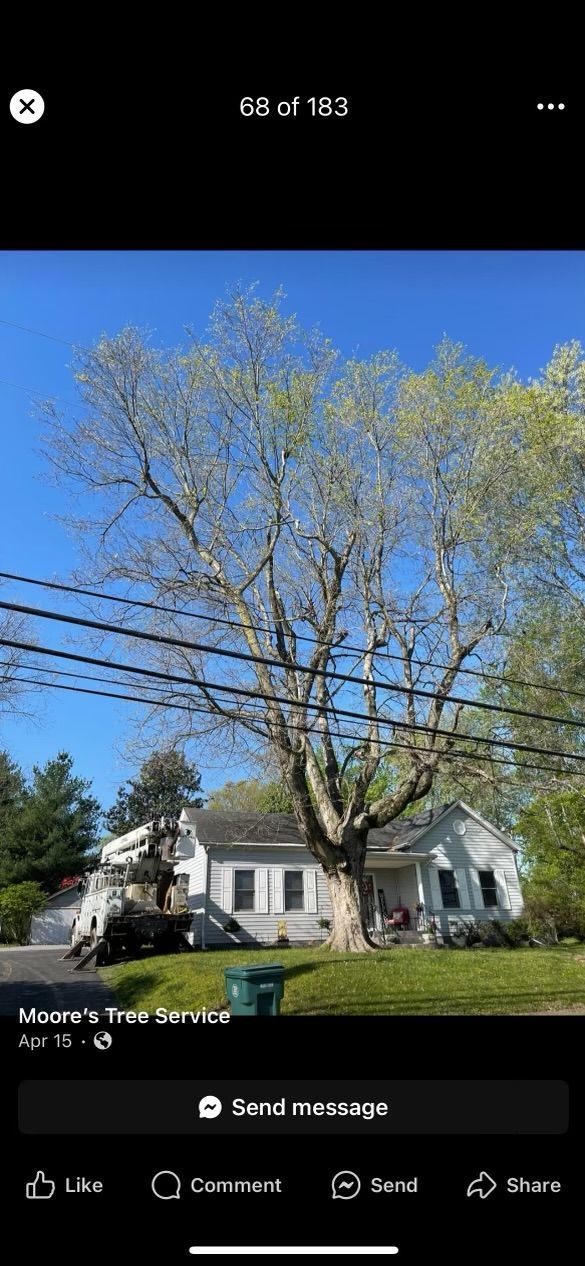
<point x="33" y="976"/>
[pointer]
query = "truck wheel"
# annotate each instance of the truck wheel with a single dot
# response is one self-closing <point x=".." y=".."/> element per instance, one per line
<point x="72" y="941"/>
<point x="102" y="955"/>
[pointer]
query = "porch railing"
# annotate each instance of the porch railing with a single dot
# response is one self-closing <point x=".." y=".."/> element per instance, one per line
<point x="424" y="919"/>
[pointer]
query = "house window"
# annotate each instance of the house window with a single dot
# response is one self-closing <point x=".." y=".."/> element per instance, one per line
<point x="293" y="890"/>
<point x="489" y="890"/>
<point x="449" y="893"/>
<point x="244" y="888"/>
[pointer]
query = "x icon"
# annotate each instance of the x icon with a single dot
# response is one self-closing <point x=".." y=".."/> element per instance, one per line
<point x="27" y="105"/>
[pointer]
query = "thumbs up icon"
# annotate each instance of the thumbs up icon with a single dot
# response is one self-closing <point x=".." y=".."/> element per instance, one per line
<point x="41" y="1188"/>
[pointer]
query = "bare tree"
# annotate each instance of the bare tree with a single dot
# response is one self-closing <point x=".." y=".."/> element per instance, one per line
<point x="303" y="508"/>
<point x="19" y="678"/>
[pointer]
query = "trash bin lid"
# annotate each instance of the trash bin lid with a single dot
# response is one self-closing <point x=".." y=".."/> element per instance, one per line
<point x="254" y="973"/>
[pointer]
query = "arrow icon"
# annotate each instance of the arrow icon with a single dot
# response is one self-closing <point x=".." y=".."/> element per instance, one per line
<point x="482" y="1186"/>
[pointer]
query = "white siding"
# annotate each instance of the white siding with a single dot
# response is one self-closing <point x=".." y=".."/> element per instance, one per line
<point x="195" y="869"/>
<point x="258" y="926"/>
<point x="467" y="854"/>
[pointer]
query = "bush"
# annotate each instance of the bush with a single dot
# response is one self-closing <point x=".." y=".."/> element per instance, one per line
<point x="489" y="934"/>
<point x="518" y="932"/>
<point x="18" y="904"/>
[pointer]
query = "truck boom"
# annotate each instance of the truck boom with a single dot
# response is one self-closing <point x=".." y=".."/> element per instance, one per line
<point x="135" y="896"/>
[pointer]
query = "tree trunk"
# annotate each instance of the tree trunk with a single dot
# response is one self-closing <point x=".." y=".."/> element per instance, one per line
<point x="348" y="932"/>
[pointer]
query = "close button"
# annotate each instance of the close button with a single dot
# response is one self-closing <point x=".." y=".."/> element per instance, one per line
<point x="27" y="106"/>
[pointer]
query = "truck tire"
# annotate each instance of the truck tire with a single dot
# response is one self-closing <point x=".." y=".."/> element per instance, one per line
<point x="73" y="937"/>
<point x="102" y="955"/>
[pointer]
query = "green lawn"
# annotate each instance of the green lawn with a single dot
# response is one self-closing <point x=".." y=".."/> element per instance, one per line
<point x="388" y="982"/>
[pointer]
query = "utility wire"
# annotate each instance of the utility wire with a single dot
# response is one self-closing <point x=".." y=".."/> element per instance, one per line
<point x="40" y="333"/>
<point x="321" y="709"/>
<point x="43" y="395"/>
<point x="164" y="703"/>
<point x="502" y="679"/>
<point x="266" y="661"/>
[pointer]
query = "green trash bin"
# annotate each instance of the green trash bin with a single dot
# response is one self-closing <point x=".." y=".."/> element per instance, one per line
<point x="255" y="990"/>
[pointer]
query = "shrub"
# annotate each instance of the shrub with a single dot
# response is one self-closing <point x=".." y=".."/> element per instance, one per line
<point x="489" y="933"/>
<point x="18" y="904"/>
<point x="518" y="932"/>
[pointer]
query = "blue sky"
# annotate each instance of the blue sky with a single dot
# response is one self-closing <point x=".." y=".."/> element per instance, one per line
<point x="511" y="307"/>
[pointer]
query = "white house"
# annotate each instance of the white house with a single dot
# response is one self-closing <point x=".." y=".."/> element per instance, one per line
<point x="251" y="871"/>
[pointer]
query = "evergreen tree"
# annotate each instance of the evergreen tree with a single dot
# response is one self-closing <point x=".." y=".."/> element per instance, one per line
<point x="12" y="790"/>
<point x="54" y="830"/>
<point x="166" y="782"/>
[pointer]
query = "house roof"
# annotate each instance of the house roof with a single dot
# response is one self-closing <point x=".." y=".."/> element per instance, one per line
<point x="402" y="832"/>
<point x="281" y="828"/>
<point x="242" y="828"/>
<point x="69" y="892"/>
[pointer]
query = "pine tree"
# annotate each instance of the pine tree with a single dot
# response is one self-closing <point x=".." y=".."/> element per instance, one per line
<point x="54" y="830"/>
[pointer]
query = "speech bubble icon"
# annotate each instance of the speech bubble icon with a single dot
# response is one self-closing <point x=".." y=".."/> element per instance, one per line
<point x="166" y="1185"/>
<point x="345" y="1185"/>
<point x="210" y="1106"/>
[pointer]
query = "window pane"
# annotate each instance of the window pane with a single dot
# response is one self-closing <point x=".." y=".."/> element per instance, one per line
<point x="449" y="891"/>
<point x="244" y="890"/>
<point x="293" y="890"/>
<point x="489" y="890"/>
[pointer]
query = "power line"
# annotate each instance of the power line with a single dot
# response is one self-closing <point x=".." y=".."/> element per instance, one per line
<point x="43" y="395"/>
<point x="40" y="333"/>
<point x="501" y="678"/>
<point x="163" y="703"/>
<point x="321" y="709"/>
<point x="248" y="657"/>
<point x="62" y="672"/>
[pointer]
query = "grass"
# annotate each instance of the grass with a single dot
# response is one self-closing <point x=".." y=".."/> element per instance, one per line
<point x="388" y="982"/>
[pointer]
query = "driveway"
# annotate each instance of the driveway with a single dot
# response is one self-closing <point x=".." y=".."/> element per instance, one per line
<point x="33" y="976"/>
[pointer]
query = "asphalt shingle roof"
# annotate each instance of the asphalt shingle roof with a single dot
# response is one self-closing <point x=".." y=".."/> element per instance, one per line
<point x="403" y="831"/>
<point x="281" y="828"/>
<point x="241" y="828"/>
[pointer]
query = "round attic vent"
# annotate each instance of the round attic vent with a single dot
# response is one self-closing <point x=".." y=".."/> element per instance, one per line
<point x="459" y="826"/>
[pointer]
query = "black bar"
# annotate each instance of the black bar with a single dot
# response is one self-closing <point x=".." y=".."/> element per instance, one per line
<point x="413" y="1107"/>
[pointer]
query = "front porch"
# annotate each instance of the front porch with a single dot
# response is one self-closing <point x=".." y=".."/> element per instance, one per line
<point x="394" y="898"/>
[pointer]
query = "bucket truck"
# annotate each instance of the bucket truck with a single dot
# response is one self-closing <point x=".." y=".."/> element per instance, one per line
<point x="135" y="896"/>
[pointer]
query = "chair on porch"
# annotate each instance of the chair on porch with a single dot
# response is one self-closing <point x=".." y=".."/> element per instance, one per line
<point x="400" y="918"/>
